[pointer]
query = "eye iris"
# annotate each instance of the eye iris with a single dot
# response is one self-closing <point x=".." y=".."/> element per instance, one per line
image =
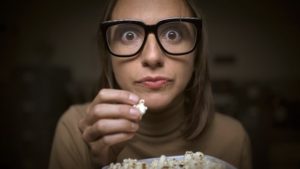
<point x="172" y="35"/>
<point x="129" y="36"/>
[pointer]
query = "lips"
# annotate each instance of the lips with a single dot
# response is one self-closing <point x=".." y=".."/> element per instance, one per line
<point x="154" y="82"/>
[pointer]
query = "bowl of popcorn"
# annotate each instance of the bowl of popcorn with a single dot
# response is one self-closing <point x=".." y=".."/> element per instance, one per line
<point x="189" y="160"/>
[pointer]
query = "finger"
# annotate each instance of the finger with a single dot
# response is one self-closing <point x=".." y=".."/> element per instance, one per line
<point x="108" y="95"/>
<point x="109" y="111"/>
<point x="115" y="96"/>
<point x="108" y="126"/>
<point x="112" y="111"/>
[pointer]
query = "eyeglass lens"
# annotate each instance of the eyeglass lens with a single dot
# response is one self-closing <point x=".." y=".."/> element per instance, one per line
<point x="175" y="37"/>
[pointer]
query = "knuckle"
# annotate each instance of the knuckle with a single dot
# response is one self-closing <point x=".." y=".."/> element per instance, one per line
<point x="90" y="109"/>
<point x="85" y="136"/>
<point x="81" y="125"/>
<point x="100" y="126"/>
<point x="101" y="93"/>
<point x="128" y="126"/>
<point x="124" y="94"/>
<point x="97" y="109"/>
<point x="106" y="141"/>
<point x="124" y="109"/>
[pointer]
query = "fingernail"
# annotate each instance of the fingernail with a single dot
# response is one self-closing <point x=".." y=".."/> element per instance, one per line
<point x="133" y="98"/>
<point x="134" y="112"/>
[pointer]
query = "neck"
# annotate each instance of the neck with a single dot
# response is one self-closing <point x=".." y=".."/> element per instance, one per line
<point x="163" y="122"/>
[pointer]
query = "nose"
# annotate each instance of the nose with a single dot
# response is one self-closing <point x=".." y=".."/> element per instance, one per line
<point x="152" y="55"/>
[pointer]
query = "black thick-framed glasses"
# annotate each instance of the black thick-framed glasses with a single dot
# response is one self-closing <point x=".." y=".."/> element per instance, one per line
<point x="175" y="36"/>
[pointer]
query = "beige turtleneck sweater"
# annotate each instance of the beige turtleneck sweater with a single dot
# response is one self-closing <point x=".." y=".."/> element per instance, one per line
<point x="224" y="138"/>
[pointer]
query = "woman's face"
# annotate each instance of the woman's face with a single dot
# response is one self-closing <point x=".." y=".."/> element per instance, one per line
<point x="154" y="76"/>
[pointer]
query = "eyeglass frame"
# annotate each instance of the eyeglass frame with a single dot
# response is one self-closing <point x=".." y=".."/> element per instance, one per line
<point x="151" y="29"/>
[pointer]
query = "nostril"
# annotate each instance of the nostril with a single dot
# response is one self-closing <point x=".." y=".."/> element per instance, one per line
<point x="152" y="65"/>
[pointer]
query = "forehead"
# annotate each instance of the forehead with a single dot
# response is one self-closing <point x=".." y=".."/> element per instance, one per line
<point x="150" y="11"/>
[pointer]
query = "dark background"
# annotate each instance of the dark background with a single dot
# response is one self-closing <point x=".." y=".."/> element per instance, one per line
<point x="49" y="61"/>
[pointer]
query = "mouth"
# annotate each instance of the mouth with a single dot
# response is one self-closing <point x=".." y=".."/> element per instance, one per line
<point x="154" y="82"/>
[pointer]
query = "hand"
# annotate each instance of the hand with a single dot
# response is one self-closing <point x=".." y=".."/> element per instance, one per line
<point x="110" y="121"/>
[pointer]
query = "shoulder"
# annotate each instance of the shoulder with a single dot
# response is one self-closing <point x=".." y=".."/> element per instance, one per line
<point x="235" y="142"/>
<point x="223" y="133"/>
<point x="67" y="126"/>
<point x="226" y="124"/>
<point x="68" y="148"/>
<point x="73" y="114"/>
<point x="227" y="128"/>
<point x="226" y="138"/>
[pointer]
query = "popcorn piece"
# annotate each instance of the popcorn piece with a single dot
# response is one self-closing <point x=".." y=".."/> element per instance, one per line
<point x="141" y="107"/>
<point x="190" y="160"/>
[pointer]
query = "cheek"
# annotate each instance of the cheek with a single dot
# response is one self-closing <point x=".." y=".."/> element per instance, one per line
<point x="116" y="70"/>
<point x="186" y="70"/>
<point x="186" y="74"/>
<point x="122" y="72"/>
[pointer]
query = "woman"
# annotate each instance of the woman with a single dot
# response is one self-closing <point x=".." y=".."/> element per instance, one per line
<point x="155" y="52"/>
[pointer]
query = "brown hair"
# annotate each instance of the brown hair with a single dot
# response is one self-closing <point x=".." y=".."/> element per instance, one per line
<point x="199" y="103"/>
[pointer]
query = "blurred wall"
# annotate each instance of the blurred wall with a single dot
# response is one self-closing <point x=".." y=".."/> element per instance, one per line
<point x="261" y="35"/>
<point x="69" y="28"/>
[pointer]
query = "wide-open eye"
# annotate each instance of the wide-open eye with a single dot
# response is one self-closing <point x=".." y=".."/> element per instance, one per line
<point x="177" y="36"/>
<point x="126" y="34"/>
<point x="129" y="36"/>
<point x="125" y="38"/>
<point x="171" y="35"/>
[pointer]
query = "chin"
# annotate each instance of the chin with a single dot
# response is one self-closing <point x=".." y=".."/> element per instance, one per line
<point x="156" y="107"/>
<point x="158" y="103"/>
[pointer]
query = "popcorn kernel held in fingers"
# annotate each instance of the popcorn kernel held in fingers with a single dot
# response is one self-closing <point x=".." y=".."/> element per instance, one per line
<point x="141" y="107"/>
